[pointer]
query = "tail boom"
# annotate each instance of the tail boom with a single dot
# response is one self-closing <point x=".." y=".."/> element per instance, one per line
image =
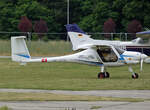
<point x="21" y="54"/>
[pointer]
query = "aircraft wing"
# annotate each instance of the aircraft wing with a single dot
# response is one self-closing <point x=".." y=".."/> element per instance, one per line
<point x="80" y="40"/>
<point x="91" y="45"/>
<point x="144" y="34"/>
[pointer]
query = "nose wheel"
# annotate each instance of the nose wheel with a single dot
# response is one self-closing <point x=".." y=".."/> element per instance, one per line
<point x="134" y="75"/>
<point x="102" y="75"/>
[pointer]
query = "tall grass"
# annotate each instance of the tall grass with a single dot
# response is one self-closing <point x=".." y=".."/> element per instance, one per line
<point x="51" y="48"/>
<point x="39" y="48"/>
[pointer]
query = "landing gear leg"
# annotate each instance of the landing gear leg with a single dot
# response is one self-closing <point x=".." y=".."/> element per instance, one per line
<point x="134" y="75"/>
<point x="107" y="75"/>
<point x="103" y="73"/>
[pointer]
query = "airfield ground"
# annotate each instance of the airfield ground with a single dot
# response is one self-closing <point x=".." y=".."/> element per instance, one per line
<point x="135" y="99"/>
<point x="70" y="77"/>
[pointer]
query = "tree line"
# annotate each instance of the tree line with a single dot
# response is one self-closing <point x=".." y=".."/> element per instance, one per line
<point x="50" y="16"/>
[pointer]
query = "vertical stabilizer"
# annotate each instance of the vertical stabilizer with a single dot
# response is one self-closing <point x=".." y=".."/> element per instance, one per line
<point x="19" y="50"/>
<point x="77" y="36"/>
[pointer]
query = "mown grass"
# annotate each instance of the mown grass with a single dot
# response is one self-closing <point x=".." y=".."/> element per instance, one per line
<point x="69" y="76"/>
<point x="4" y="108"/>
<point x="64" y="76"/>
<point x="96" y="107"/>
<point x="12" y="96"/>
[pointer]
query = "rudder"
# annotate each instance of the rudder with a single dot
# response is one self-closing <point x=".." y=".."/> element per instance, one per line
<point x="77" y="36"/>
<point x="19" y="50"/>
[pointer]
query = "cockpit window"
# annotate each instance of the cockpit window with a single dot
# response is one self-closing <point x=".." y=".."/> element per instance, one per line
<point x="107" y="54"/>
<point x="120" y="51"/>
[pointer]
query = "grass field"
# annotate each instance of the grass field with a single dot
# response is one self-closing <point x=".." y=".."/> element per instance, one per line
<point x="69" y="76"/>
<point x="4" y="108"/>
<point x="12" y="96"/>
<point x="64" y="76"/>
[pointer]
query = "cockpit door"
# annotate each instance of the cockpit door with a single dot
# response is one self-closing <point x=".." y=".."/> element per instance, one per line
<point x="107" y="53"/>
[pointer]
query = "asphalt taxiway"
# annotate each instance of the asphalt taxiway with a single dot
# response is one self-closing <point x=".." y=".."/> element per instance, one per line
<point x="81" y="105"/>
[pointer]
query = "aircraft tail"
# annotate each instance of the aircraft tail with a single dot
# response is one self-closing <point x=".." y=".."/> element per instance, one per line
<point x="77" y="36"/>
<point x="19" y="50"/>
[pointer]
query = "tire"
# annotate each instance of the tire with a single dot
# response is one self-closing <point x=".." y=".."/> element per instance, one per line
<point x="101" y="75"/>
<point x="135" y="76"/>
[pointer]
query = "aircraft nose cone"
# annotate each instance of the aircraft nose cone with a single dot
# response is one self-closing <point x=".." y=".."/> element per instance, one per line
<point x="143" y="56"/>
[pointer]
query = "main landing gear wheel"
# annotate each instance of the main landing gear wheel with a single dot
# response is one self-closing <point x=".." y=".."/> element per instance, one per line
<point x="135" y="76"/>
<point x="102" y="75"/>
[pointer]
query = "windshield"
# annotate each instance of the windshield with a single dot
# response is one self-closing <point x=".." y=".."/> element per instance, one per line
<point x="120" y="51"/>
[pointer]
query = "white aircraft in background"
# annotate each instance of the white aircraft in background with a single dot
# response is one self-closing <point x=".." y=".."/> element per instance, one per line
<point x="102" y="55"/>
<point x="80" y="40"/>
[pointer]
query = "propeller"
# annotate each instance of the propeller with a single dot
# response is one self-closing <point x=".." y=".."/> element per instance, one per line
<point x="142" y="57"/>
<point x="141" y="65"/>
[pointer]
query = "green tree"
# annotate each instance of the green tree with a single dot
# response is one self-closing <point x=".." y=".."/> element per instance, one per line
<point x="90" y="15"/>
<point x="117" y="7"/>
<point x="132" y="10"/>
<point x="96" y="18"/>
<point x="7" y="20"/>
<point x="146" y="14"/>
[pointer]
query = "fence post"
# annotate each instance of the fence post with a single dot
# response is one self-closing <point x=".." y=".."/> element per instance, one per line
<point x="29" y="38"/>
<point x="112" y="36"/>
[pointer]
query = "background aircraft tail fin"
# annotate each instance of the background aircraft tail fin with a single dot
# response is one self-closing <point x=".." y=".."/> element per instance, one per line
<point x="77" y="36"/>
<point x="19" y="50"/>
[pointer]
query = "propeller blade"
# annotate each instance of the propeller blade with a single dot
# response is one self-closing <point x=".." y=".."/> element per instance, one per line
<point x="141" y="65"/>
<point x="143" y="57"/>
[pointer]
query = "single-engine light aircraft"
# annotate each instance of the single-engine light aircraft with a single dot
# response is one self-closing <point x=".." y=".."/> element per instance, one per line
<point x="81" y="40"/>
<point x="101" y="55"/>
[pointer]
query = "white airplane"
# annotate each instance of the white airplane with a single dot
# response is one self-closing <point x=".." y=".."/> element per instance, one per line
<point x="81" y="40"/>
<point x="102" y="55"/>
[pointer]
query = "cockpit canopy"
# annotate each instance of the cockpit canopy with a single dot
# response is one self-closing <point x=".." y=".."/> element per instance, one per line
<point x="107" y="54"/>
<point x="119" y="50"/>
